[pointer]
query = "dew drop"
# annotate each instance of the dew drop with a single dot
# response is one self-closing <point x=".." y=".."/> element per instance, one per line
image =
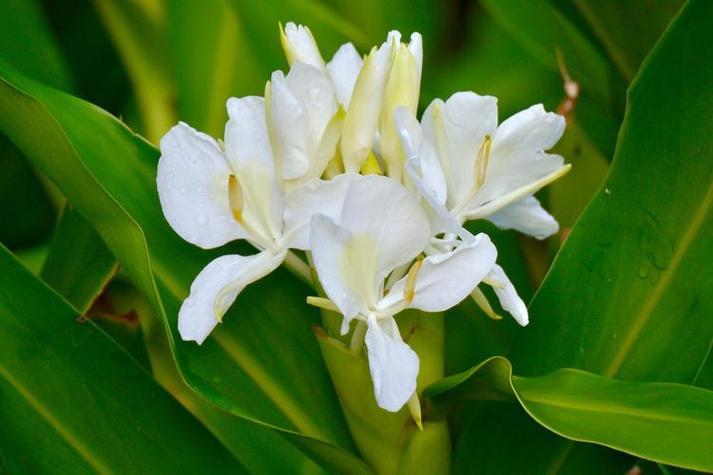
<point x="643" y="271"/>
<point x="607" y="191"/>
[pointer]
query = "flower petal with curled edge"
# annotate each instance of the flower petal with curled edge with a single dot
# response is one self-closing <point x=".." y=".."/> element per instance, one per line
<point x="527" y="216"/>
<point x="192" y="182"/>
<point x="392" y="363"/>
<point x="217" y="286"/>
<point x="507" y="295"/>
<point x="444" y="280"/>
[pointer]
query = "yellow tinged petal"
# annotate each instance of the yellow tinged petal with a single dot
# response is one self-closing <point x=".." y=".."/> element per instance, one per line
<point x="362" y="119"/>
<point x="402" y="89"/>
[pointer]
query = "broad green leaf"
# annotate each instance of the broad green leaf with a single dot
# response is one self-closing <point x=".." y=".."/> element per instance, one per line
<point x="631" y="286"/>
<point x="665" y="422"/>
<point x="71" y="398"/>
<point x="636" y="287"/>
<point x="78" y="267"/>
<point x="501" y="429"/>
<point x="27" y="43"/>
<point x="263" y="363"/>
<point x="628" y="29"/>
<point x="260" y="449"/>
<point x="78" y="264"/>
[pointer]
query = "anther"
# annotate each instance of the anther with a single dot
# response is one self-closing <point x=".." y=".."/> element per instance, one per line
<point x="235" y="198"/>
<point x="410" y="289"/>
<point x="481" y="161"/>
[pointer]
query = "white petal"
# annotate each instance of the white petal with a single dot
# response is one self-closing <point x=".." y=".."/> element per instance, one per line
<point x="380" y="208"/>
<point x="507" y="295"/>
<point x="526" y="216"/>
<point x="444" y="280"/>
<point x="393" y="364"/>
<point x="402" y="90"/>
<point x="415" y="47"/>
<point x="343" y="70"/>
<point x="299" y="45"/>
<point x="345" y="266"/>
<point x="442" y="221"/>
<point x="216" y="288"/>
<point x="315" y="197"/>
<point x="192" y="183"/>
<point x="456" y="129"/>
<point x="289" y="127"/>
<point x="362" y="119"/>
<point x="247" y="147"/>
<point x="427" y="163"/>
<point x="517" y="154"/>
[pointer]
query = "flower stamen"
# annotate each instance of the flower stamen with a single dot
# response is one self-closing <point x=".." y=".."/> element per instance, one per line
<point x="410" y="288"/>
<point x="235" y="198"/>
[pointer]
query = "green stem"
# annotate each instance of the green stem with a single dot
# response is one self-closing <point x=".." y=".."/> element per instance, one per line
<point x="299" y="268"/>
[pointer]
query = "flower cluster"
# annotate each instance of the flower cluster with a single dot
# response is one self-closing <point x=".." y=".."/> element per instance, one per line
<point x="333" y="161"/>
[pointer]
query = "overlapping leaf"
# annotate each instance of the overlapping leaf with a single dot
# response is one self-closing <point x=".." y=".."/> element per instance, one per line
<point x="68" y="382"/>
<point x="263" y="363"/>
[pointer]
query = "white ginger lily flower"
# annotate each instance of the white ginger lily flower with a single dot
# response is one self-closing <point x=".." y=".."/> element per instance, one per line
<point x="466" y="166"/>
<point x="211" y="196"/>
<point x="381" y="227"/>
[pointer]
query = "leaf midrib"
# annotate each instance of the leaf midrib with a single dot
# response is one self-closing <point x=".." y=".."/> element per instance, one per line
<point x="666" y="278"/>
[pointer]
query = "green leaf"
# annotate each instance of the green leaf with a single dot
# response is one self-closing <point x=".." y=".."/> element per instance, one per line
<point x="502" y="428"/>
<point x="27" y="44"/>
<point x="668" y="423"/>
<point x="628" y="29"/>
<point x="631" y="286"/>
<point x="78" y="264"/>
<point x="263" y="363"/>
<point x="102" y="413"/>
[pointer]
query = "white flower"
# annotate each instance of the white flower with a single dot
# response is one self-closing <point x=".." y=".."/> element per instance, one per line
<point x="381" y="227"/>
<point x="465" y="165"/>
<point x="211" y="196"/>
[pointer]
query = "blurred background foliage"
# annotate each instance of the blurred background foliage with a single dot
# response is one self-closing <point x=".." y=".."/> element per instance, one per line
<point x="153" y="62"/>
